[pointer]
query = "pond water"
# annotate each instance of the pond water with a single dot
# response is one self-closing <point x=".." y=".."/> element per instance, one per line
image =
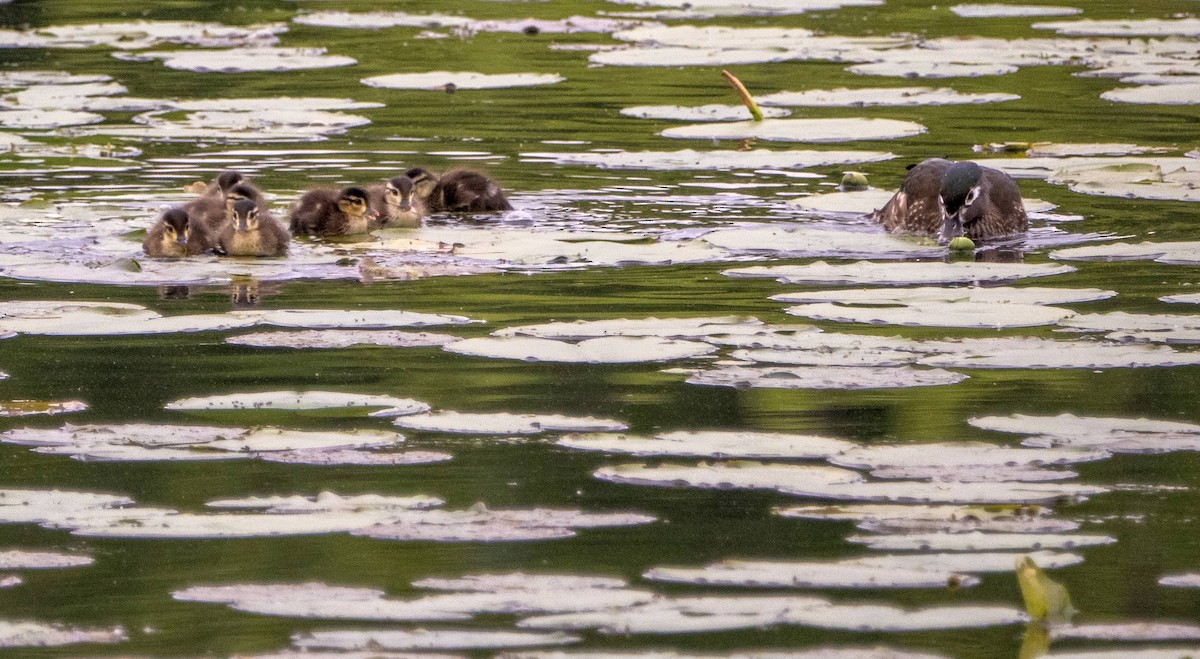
<point x="675" y="402"/>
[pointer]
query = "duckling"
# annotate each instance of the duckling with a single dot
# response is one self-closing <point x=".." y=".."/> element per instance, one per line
<point x="327" y="212"/>
<point x="460" y="190"/>
<point x="950" y="199"/>
<point x="214" y="211"/>
<point x="398" y="203"/>
<point x="251" y="233"/>
<point x="174" y="235"/>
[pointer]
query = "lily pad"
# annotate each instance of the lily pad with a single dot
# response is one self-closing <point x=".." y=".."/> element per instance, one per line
<point x="1132" y="27"/>
<point x="1159" y="251"/>
<point x="494" y="583"/>
<point x="807" y="574"/>
<point x="296" y="400"/>
<point x="276" y="439"/>
<point x="37" y="407"/>
<point x="713" y="112"/>
<point x="805" y="241"/>
<point x="1179" y="94"/>
<point x="1112" y="434"/>
<point x="36" y="634"/>
<point x="925" y="294"/>
<point x="1054" y="150"/>
<point x="16" y="559"/>
<point x="688" y="159"/>
<point x="10" y="581"/>
<point x="945" y="492"/>
<point x="713" y="444"/>
<point x="1186" y="580"/>
<point x="959" y="455"/>
<point x="675" y="328"/>
<point x="890" y="518"/>
<point x="334" y="339"/>
<point x="603" y="350"/>
<point x="442" y="80"/>
<point x="825" y="377"/>
<point x="239" y="60"/>
<point x="481" y="524"/>
<point x="973" y="562"/>
<point x="899" y="274"/>
<point x="727" y="475"/>
<point x="801" y="130"/>
<point x="668" y="615"/>
<point x="349" y="457"/>
<point x="884" y="618"/>
<point x="983" y="315"/>
<point x="37" y="119"/>
<point x="977" y="541"/>
<point x="504" y="423"/>
<point x="1030" y="352"/>
<point x="1127" y="631"/>
<point x="1010" y="11"/>
<point x="426" y="639"/>
<point x="923" y="68"/>
<point x="752" y="7"/>
<point x="885" y="96"/>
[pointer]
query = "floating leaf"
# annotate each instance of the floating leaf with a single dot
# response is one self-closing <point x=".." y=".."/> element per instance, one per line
<point x="1130" y="27"/>
<point x="974" y="562"/>
<point x="727" y="475"/>
<point x="1029" y="352"/>
<point x="886" y="96"/>
<point x="958" y="454"/>
<point x="714" y="444"/>
<point x="37" y="634"/>
<point x="1128" y="631"/>
<point x="1187" y="580"/>
<point x="678" y="328"/>
<point x="899" y="274"/>
<point x="347" y="457"/>
<point x="944" y="492"/>
<point x="494" y="583"/>
<point x="448" y="80"/>
<point x="975" y="294"/>
<point x="16" y="559"/>
<point x="923" y="68"/>
<point x="801" y="130"/>
<point x="604" y="350"/>
<point x="1129" y="252"/>
<point x="38" y="119"/>
<point x="238" y="60"/>
<point x="425" y="639"/>
<point x="296" y="400"/>
<point x="332" y="339"/>
<point x="668" y="615"/>
<point x="982" y="315"/>
<point x="825" y="377"/>
<point x="1107" y="433"/>
<point x="503" y="423"/>
<point x="976" y="541"/>
<point x="807" y="574"/>
<point x="805" y="241"/>
<point x="1009" y="11"/>
<point x="713" y="112"/>
<point x="890" y="518"/>
<point x="688" y="159"/>
<point x="1177" y="94"/>
<point x="32" y="407"/>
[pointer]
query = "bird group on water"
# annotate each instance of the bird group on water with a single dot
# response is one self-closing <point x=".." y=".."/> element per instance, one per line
<point x="231" y="218"/>
<point x="937" y="198"/>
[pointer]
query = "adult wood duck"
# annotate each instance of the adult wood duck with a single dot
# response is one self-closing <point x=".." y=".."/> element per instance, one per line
<point x="328" y="212"/>
<point x="398" y="203"/>
<point x="950" y="199"/>
<point x="251" y="233"/>
<point x="459" y="190"/>
<point x="174" y="235"/>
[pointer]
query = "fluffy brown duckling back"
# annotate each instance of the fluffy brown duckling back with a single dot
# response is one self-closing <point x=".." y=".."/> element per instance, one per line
<point x="399" y="203"/>
<point x="460" y="190"/>
<point x="327" y="212"/>
<point x="215" y="209"/>
<point x="251" y="233"/>
<point x="174" y="235"/>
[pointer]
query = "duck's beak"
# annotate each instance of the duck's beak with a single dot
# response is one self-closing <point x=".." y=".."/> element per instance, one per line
<point x="370" y="213"/>
<point x="952" y="227"/>
<point x="181" y="239"/>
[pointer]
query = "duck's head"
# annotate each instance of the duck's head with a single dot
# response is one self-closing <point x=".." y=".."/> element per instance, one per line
<point x="423" y="181"/>
<point x="245" y="215"/>
<point x="961" y="187"/>
<point x="240" y="192"/>
<point x="176" y="226"/>
<point x="399" y="193"/>
<point x="353" y="202"/>
<point x="227" y="180"/>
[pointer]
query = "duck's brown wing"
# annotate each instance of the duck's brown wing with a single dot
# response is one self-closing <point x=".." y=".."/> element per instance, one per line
<point x="309" y="215"/>
<point x="208" y="211"/>
<point x="1002" y="212"/>
<point x="916" y="207"/>
<point x="468" y="191"/>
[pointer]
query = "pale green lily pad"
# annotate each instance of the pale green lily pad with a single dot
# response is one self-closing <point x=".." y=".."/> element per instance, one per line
<point x="481" y="524"/>
<point x="375" y="20"/>
<point x="958" y="455"/>
<point x="819" y="652"/>
<point x="805" y="241"/>
<point x="727" y="475"/>
<point x="354" y="457"/>
<point x="1133" y="27"/>
<point x="807" y="574"/>
<point x="204" y="526"/>
<point x="825" y="377"/>
<point x="1053" y="150"/>
<point x="925" y="68"/>
<point x="10" y="581"/>
<point x="977" y="541"/>
<point x="712" y="444"/>
<point x="981" y="315"/>
<point x="328" y="502"/>
<point x="1113" y="434"/>
<point x="1120" y="321"/>
<point x="238" y="60"/>
<point x="1127" y="631"/>
<point x="334" y="339"/>
<point x="1129" y="653"/>
<point x="1166" y="250"/>
<point x="925" y="294"/>
<point x="713" y="112"/>
<point x="16" y="559"/>
<point x="602" y="350"/>
<point x="973" y="474"/>
<point x="1185" y="580"/>
<point x="1183" y="298"/>
<point x="519" y="581"/>
<point x="139" y="434"/>
<point x="426" y="639"/>
<point x="973" y="562"/>
<point x="295" y="400"/>
<point x="1010" y="11"/>
<point x="1176" y="94"/>
<point x="439" y="80"/>
<point x="689" y="159"/>
<point x="800" y="130"/>
<point x="899" y="274"/>
<point x="1030" y="352"/>
<point x="19" y="79"/>
<point x="504" y="423"/>
<point x="945" y="492"/>
<point x="15" y="634"/>
<point x="885" y="96"/>
<point x="276" y="439"/>
<point x="854" y="202"/>
<point x="127" y="35"/>
<point x="38" y="407"/>
<point x="673" y="328"/>
<point x="823" y="355"/>
<point x="884" y="618"/>
<point x="356" y="319"/>
<point x="668" y="615"/>
<point x="752" y="7"/>
<point x="891" y="518"/>
<point x="689" y="56"/>
<point x="37" y="119"/>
